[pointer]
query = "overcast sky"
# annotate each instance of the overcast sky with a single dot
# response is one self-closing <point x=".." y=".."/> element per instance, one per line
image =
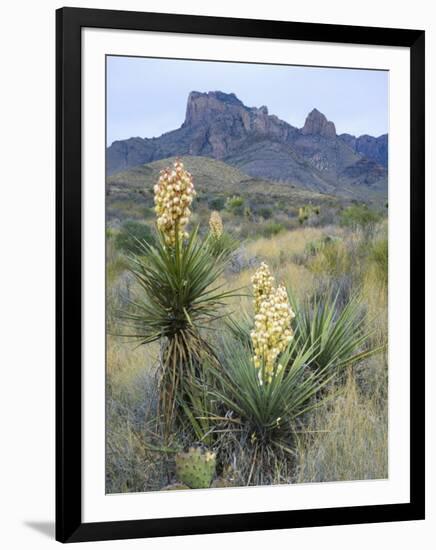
<point x="147" y="97"/>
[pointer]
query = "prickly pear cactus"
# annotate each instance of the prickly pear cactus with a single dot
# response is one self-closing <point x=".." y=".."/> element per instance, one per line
<point x="196" y="468"/>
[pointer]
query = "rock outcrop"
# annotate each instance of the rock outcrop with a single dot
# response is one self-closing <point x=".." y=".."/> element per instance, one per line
<point x="317" y="125"/>
<point x="220" y="126"/>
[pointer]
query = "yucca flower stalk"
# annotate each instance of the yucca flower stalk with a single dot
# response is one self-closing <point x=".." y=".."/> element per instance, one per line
<point x="263" y="283"/>
<point x="272" y="332"/>
<point x="272" y="323"/>
<point x="173" y="195"/>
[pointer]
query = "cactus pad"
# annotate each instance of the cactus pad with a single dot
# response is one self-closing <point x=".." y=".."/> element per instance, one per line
<point x="196" y="468"/>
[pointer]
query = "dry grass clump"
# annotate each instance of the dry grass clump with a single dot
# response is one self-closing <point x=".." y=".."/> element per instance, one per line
<point x="348" y="443"/>
<point x="281" y="248"/>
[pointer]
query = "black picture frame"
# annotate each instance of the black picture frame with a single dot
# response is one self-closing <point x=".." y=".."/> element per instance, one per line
<point x="69" y="525"/>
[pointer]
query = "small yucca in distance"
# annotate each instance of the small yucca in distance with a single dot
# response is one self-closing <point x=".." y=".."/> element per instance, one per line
<point x="219" y="242"/>
<point x="216" y="225"/>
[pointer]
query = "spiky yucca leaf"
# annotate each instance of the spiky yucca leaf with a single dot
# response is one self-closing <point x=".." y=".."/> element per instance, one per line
<point x="339" y="337"/>
<point x="179" y="289"/>
<point x="269" y="410"/>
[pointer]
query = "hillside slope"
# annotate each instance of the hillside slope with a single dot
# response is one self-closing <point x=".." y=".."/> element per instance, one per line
<point x="130" y="193"/>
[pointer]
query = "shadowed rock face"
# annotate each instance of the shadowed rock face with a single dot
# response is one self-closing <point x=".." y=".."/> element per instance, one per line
<point x="374" y="148"/>
<point x="220" y="126"/>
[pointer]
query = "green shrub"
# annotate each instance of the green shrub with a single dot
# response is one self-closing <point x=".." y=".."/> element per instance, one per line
<point x="333" y="259"/>
<point x="265" y="212"/>
<point x="235" y="205"/>
<point x="131" y="235"/>
<point x="356" y="216"/>
<point x="216" y="203"/>
<point x="271" y="229"/>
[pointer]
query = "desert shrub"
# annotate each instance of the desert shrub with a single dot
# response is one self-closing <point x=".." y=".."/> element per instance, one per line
<point x="313" y="248"/>
<point x="356" y="216"/>
<point x="332" y="259"/>
<point x="131" y="235"/>
<point x="130" y="466"/>
<point x="235" y="205"/>
<point x="271" y="229"/>
<point x="131" y="400"/>
<point x="265" y="212"/>
<point x="216" y="203"/>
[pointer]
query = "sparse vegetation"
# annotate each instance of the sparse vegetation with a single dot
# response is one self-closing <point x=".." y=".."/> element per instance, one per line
<point x="360" y="215"/>
<point x="317" y="411"/>
<point x="131" y="236"/>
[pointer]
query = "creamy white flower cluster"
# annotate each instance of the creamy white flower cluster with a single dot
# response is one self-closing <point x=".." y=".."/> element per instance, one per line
<point x="173" y="196"/>
<point x="216" y="225"/>
<point x="272" y="327"/>
<point x="263" y="283"/>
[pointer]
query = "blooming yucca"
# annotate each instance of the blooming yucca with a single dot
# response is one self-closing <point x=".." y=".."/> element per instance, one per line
<point x="272" y="323"/>
<point x="177" y="295"/>
<point x="216" y="225"/>
<point x="173" y="196"/>
<point x="263" y="283"/>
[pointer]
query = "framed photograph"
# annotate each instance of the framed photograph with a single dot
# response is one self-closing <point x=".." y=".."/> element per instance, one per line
<point x="240" y="274"/>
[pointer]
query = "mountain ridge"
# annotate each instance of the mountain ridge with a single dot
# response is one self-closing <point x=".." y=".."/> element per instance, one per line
<point x="220" y="126"/>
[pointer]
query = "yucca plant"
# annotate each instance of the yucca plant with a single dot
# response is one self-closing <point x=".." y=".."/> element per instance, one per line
<point x="178" y="296"/>
<point x="267" y="415"/>
<point x="338" y="337"/>
<point x="178" y="293"/>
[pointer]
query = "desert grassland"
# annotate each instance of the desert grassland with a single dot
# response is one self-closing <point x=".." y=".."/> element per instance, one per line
<point x="345" y="439"/>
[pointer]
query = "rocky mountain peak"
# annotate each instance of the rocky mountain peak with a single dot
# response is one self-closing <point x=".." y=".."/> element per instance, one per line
<point x="205" y="106"/>
<point x="317" y="124"/>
